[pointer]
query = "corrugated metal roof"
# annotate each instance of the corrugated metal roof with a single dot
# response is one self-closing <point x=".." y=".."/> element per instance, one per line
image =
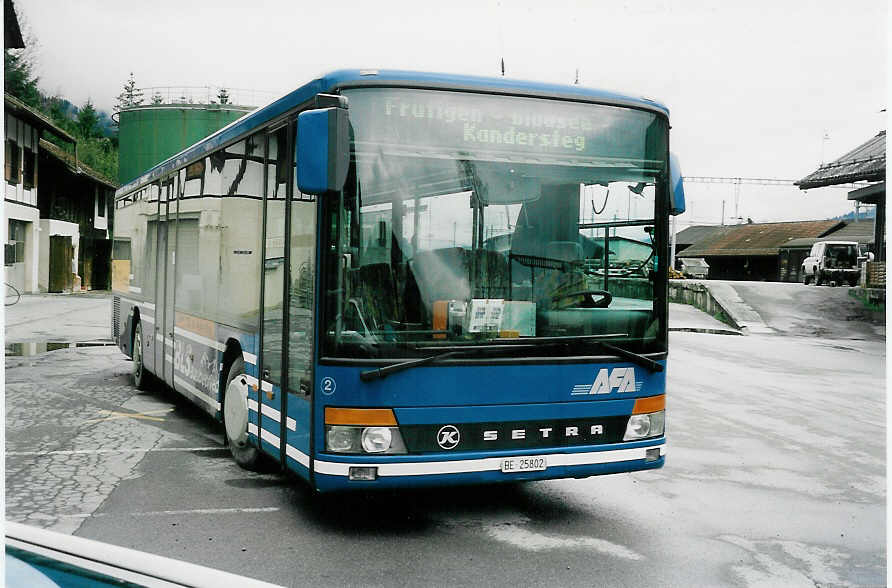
<point x="756" y="239"/>
<point x="865" y="163"/>
<point x="861" y="232"/>
<point x="694" y="234"/>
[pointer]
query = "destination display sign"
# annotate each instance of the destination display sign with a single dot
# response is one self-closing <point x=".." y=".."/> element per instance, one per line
<point x="470" y="124"/>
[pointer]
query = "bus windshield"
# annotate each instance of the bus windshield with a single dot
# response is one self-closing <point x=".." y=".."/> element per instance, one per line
<point x="470" y="219"/>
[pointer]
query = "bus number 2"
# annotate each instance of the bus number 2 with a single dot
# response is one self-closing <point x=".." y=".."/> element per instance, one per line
<point x="328" y="386"/>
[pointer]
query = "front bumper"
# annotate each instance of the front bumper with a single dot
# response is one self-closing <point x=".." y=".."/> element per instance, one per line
<point x="331" y="472"/>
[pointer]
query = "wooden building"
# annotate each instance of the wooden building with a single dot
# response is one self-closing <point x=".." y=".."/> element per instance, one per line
<point x="752" y="251"/>
<point x="56" y="211"/>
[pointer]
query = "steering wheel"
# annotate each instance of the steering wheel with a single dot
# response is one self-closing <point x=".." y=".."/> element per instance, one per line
<point x="589" y="299"/>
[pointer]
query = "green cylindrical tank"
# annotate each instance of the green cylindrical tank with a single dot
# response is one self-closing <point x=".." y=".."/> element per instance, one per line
<point x="148" y="135"/>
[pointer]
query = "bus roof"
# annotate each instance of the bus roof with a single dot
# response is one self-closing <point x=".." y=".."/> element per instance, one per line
<point x="352" y="78"/>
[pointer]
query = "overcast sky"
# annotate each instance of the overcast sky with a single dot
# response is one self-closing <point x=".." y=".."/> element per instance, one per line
<point x="751" y="86"/>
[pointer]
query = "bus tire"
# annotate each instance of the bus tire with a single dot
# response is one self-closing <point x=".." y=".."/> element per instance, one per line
<point x="235" y="417"/>
<point x="140" y="376"/>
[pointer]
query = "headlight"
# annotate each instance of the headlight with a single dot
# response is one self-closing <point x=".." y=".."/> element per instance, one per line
<point x="342" y="439"/>
<point x="642" y="426"/>
<point x="353" y="439"/>
<point x="376" y="439"/>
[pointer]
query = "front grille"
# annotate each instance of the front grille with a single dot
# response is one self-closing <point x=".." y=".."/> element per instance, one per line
<point x="552" y="433"/>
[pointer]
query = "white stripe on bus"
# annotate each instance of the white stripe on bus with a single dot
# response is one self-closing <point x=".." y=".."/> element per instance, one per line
<point x="486" y="464"/>
<point x="135" y="289"/>
<point x="199" y="339"/>
<point x="212" y="402"/>
<point x="252" y="428"/>
<point x="251" y="380"/>
<point x="266" y="386"/>
<point x="147" y="319"/>
<point x="297" y="455"/>
<point x="271" y="412"/>
<point x="269" y="437"/>
<point x="249" y="358"/>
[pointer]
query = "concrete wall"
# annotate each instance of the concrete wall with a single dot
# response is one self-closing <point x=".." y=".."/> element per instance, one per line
<point x="699" y="296"/>
<point x="32" y="217"/>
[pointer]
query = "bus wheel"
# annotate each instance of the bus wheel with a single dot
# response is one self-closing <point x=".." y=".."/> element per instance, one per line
<point x="235" y="417"/>
<point x="140" y="376"/>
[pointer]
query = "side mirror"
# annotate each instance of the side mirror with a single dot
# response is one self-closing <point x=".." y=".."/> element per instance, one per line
<point x="323" y="150"/>
<point x="676" y="187"/>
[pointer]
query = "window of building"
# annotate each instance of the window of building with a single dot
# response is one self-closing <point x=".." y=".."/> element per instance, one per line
<point x="15" y="250"/>
<point x="100" y="204"/>
<point x="194" y="171"/>
<point x="13" y="161"/>
<point x="28" y="169"/>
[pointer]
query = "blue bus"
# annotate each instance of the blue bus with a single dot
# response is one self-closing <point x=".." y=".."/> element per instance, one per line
<point x="394" y="279"/>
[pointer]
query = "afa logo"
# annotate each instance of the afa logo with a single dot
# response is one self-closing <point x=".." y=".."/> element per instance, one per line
<point x="610" y="380"/>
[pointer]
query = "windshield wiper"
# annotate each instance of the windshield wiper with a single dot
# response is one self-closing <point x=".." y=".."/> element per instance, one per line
<point x="636" y="358"/>
<point x="369" y="375"/>
<point x="539" y="342"/>
<point x="519" y="342"/>
<point x="513" y="344"/>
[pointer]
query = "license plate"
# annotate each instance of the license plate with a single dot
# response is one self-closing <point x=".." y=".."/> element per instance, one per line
<point x="523" y="464"/>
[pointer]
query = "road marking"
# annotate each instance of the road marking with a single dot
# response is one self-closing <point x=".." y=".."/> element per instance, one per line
<point x="97" y="451"/>
<point x="164" y="513"/>
<point x="146" y="416"/>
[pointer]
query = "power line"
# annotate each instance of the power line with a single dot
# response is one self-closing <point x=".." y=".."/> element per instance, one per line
<point x="738" y="181"/>
<point x="759" y="181"/>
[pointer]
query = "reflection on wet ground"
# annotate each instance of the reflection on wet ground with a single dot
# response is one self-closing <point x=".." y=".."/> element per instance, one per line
<point x="38" y="347"/>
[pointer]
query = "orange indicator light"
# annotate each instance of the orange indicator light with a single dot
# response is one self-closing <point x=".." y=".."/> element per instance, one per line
<point x="382" y="417"/>
<point x="650" y="404"/>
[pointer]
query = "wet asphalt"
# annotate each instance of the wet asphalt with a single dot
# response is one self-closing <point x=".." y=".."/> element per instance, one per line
<point x="775" y="475"/>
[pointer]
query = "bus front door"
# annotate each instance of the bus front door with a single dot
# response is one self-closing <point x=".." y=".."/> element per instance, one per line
<point x="273" y="301"/>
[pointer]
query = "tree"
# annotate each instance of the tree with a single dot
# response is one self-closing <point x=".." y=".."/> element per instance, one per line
<point x="87" y="120"/>
<point x="19" y="66"/>
<point x="157" y="98"/>
<point x="18" y="77"/>
<point x="130" y="97"/>
<point x="58" y="111"/>
<point x="223" y="96"/>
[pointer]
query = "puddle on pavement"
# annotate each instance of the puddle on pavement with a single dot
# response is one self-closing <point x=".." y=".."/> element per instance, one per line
<point x="39" y="347"/>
